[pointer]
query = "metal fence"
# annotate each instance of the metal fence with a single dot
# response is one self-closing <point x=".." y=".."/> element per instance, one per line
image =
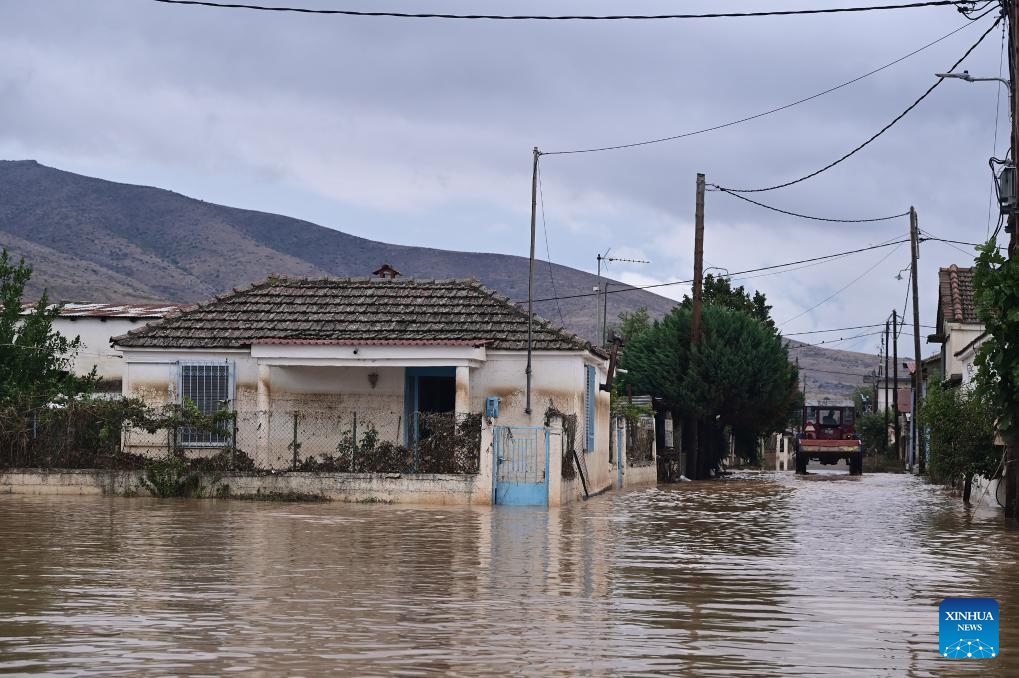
<point x="640" y="440"/>
<point x="340" y="441"/>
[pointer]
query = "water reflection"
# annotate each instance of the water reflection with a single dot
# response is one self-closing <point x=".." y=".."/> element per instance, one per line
<point x="763" y="574"/>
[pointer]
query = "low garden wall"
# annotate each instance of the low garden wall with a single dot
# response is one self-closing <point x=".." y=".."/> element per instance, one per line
<point x="352" y="487"/>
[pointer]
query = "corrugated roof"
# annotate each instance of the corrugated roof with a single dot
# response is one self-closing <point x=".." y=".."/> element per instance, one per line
<point x="955" y="295"/>
<point x="87" y="310"/>
<point x="354" y="310"/>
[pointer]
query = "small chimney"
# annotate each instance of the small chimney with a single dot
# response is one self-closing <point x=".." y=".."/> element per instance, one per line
<point x="387" y="271"/>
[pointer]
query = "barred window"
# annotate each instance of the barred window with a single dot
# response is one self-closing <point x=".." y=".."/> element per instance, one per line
<point x="209" y="385"/>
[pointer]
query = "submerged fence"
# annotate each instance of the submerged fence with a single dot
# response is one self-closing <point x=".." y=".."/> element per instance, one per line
<point x="640" y="441"/>
<point x="111" y="436"/>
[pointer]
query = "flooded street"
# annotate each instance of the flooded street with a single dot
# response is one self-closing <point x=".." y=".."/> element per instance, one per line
<point x="761" y="574"/>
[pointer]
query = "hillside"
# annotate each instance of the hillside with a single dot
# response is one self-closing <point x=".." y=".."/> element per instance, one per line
<point x="88" y="239"/>
<point x="95" y="240"/>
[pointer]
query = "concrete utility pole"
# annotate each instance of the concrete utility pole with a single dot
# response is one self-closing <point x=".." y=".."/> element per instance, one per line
<point x="695" y="320"/>
<point x="895" y="371"/>
<point x="918" y="438"/>
<point x="530" y="278"/>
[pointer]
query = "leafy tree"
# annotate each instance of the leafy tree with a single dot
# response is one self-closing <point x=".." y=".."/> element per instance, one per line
<point x="634" y="323"/>
<point x="35" y="360"/>
<point x="739" y="376"/>
<point x="996" y="294"/>
<point x="871" y="428"/>
<point x="961" y="424"/>
<point x="863" y="399"/>
<point x="720" y="292"/>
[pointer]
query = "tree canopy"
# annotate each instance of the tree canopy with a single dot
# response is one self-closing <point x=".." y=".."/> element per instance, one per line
<point x="961" y="424"/>
<point x="35" y="360"/>
<point x="738" y="376"/>
<point x="718" y="291"/>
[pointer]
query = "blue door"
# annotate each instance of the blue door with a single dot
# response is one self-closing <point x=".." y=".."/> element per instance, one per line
<point x="521" y="465"/>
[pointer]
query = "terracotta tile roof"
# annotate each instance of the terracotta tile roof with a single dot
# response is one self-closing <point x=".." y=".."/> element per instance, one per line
<point x="337" y="310"/>
<point x="955" y="295"/>
<point x="88" y="310"/>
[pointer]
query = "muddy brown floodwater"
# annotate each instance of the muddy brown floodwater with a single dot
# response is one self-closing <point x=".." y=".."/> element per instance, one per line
<point x="758" y="575"/>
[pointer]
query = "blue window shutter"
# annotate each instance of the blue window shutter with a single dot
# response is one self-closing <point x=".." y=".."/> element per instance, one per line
<point x="589" y="396"/>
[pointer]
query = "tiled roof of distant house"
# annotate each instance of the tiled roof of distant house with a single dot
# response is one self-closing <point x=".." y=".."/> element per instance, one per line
<point x="86" y="310"/>
<point x="955" y="295"/>
<point x="354" y="311"/>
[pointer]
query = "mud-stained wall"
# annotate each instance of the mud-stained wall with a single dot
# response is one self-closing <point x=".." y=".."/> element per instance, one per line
<point x="152" y="377"/>
<point x="557" y="379"/>
<point x="351" y="487"/>
<point x="331" y="405"/>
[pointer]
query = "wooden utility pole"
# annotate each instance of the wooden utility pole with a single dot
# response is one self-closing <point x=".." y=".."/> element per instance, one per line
<point x="530" y="278"/>
<point x="695" y="320"/>
<point x="888" y="403"/>
<point x="1012" y="438"/>
<point x="918" y="437"/>
<point x="895" y="371"/>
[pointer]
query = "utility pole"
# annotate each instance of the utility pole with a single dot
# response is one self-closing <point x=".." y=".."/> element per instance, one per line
<point x="530" y="278"/>
<point x="1012" y="439"/>
<point x="895" y="371"/>
<point x="888" y="403"/>
<point x="918" y="437"/>
<point x="695" y="320"/>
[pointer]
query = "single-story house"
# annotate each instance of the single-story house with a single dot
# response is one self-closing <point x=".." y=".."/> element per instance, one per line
<point x="95" y="325"/>
<point x="319" y="369"/>
<point x="958" y="324"/>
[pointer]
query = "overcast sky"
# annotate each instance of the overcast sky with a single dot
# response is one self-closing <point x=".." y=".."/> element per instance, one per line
<point x="420" y="132"/>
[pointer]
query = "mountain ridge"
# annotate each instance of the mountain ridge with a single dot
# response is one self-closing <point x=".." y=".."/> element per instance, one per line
<point x="94" y="240"/>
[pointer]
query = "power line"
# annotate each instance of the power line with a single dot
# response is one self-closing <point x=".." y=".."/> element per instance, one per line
<point x="994" y="146"/>
<point x="843" y="329"/>
<point x="548" y="251"/>
<point x="634" y="288"/>
<point x="563" y="17"/>
<point x="884" y="129"/>
<point x="755" y="116"/>
<point x="834" y="341"/>
<point x="805" y="216"/>
<point x="843" y="288"/>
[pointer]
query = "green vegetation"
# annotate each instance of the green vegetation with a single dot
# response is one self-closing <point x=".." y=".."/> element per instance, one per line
<point x="35" y="360"/>
<point x="737" y="380"/>
<point x="961" y="424"/>
<point x="870" y="426"/>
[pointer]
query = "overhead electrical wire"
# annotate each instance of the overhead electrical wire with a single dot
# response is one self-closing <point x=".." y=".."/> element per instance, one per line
<point x="884" y="129"/>
<point x="762" y="114"/>
<point x="843" y="329"/>
<point x="562" y="17"/>
<point x="841" y="289"/>
<point x="634" y="288"/>
<point x="548" y="250"/>
<point x="834" y="341"/>
<point x="994" y="147"/>
<point x="806" y="216"/>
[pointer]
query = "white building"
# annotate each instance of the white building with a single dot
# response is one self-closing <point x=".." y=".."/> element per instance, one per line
<point x="306" y="362"/>
<point x="96" y="325"/>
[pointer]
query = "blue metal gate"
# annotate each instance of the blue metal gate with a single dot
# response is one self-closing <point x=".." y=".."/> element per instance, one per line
<point x="620" y="454"/>
<point x="521" y="465"/>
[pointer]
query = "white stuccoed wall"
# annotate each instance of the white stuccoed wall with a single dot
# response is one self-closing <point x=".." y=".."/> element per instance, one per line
<point x="336" y="379"/>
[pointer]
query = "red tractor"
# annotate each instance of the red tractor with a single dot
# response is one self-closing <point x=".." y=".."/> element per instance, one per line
<point x="829" y="436"/>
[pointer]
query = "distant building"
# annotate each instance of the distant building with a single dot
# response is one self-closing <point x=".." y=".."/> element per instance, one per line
<point x="95" y="325"/>
<point x="958" y="327"/>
